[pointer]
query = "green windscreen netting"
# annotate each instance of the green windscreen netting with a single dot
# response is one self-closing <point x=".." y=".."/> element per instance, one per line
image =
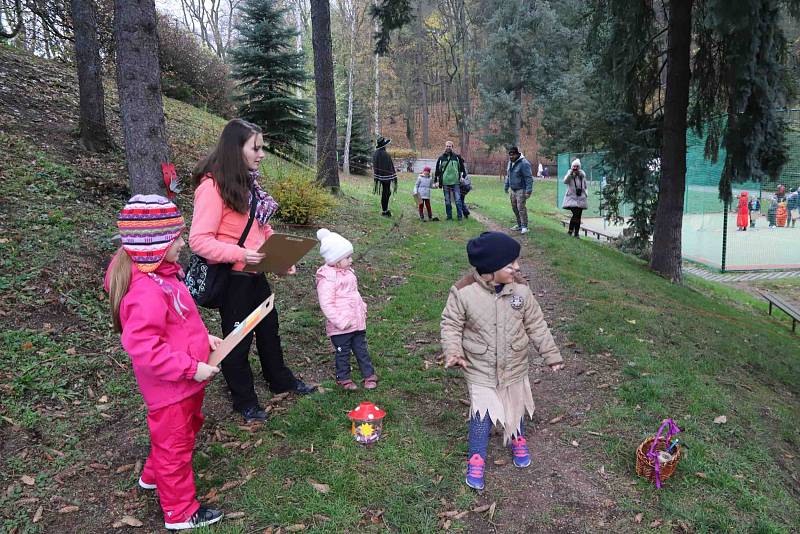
<point x="771" y="239"/>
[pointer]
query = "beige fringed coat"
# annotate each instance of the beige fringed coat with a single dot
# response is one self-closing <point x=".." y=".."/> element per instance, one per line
<point x="493" y="331"/>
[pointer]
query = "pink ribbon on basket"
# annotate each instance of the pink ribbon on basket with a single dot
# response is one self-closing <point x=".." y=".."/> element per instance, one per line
<point x="653" y="454"/>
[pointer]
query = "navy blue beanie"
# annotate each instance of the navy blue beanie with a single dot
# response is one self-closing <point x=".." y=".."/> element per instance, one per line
<point x="491" y="251"/>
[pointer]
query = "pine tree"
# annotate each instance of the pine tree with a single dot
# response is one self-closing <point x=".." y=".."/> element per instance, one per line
<point x="270" y="70"/>
<point x="725" y="69"/>
<point x="360" y="141"/>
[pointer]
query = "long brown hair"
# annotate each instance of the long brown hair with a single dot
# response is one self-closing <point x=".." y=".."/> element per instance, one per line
<point x="226" y="164"/>
<point x="119" y="280"/>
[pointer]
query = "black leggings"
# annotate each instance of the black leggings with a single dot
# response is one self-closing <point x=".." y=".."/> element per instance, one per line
<point x="386" y="192"/>
<point x="575" y="221"/>
<point x="245" y="292"/>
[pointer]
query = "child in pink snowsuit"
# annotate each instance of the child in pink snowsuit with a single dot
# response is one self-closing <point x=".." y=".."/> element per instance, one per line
<point x="168" y="344"/>
<point x="344" y="309"/>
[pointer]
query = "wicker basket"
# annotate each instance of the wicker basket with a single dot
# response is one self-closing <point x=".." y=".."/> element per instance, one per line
<point x="645" y="467"/>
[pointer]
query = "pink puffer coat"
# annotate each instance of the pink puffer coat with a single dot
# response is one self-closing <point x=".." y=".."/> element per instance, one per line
<point x="340" y="300"/>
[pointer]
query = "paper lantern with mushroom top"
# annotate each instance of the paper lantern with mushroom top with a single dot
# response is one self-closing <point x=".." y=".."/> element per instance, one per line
<point x="367" y="423"/>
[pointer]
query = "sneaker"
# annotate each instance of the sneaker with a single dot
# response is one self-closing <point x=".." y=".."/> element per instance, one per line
<point x="385" y="214"/>
<point x="435" y="219"/>
<point x="421" y="218"/>
<point x="475" y="468"/>
<point x="388" y="213"/>
<point x="371" y="382"/>
<point x="515" y="227"/>
<point x="523" y="230"/>
<point x="347" y="384"/>
<point x="301" y="388"/>
<point x="519" y="448"/>
<point x="254" y="414"/>
<point x="204" y="516"/>
<point x="448" y="218"/>
<point x="466" y="215"/>
<point x="146" y="485"/>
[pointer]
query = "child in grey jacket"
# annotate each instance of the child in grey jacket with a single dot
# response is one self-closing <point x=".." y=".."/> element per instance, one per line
<point x="422" y="190"/>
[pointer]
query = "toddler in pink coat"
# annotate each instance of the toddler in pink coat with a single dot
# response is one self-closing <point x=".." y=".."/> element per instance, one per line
<point x="344" y="309"/>
<point x="169" y="345"/>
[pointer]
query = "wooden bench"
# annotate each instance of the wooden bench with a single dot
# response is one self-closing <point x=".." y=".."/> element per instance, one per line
<point x="586" y="231"/>
<point x="787" y="307"/>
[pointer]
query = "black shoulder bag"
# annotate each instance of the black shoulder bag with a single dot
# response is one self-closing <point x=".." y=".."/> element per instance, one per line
<point x="208" y="282"/>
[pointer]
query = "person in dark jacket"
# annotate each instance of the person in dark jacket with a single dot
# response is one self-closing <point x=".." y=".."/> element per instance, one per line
<point x="519" y="183"/>
<point x="450" y="171"/>
<point x="384" y="173"/>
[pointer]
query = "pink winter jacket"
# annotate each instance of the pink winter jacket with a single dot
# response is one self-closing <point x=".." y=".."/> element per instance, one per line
<point x="163" y="346"/>
<point x="340" y="300"/>
<point x="216" y="228"/>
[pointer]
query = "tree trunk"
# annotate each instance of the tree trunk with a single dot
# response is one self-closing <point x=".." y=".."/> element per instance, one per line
<point x="666" y="257"/>
<point x="351" y="66"/>
<point x="517" y="125"/>
<point x="139" y="84"/>
<point x="93" y="131"/>
<point x="377" y="88"/>
<point x="327" y="169"/>
<point x="466" y="107"/>
<point x="426" y="142"/>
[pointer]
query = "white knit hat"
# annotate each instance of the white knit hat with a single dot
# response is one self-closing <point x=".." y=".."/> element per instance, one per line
<point x="332" y="246"/>
<point x="577" y="162"/>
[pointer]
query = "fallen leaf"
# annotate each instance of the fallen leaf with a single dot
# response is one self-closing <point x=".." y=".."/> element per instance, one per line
<point x="27" y="480"/>
<point x="322" y="488"/>
<point x="492" y="510"/>
<point x="38" y="515"/>
<point x="465" y="402"/>
<point x="446" y="524"/>
<point x="279" y="434"/>
<point x="480" y="509"/>
<point x="322" y="518"/>
<point x="130" y="521"/>
<point x="138" y="467"/>
<point x="234" y="515"/>
<point x="591" y="372"/>
<point x="27" y="345"/>
<point x="295" y="528"/>
<point x="656" y="523"/>
<point x="594" y="433"/>
<point x="98" y="466"/>
<point x="68" y="509"/>
<point x="123" y="468"/>
<point x="602" y="470"/>
<point x="700" y="474"/>
<point x="29" y="500"/>
<point x="461" y="514"/>
<point x="449" y="513"/>
<point x="720" y="420"/>
<point x="638" y="518"/>
<point x="604" y="386"/>
<point x="500" y="461"/>
<point x="556" y="419"/>
<point x="632" y="321"/>
<point x="71" y="351"/>
<point x="575" y="443"/>
<point x="230" y="485"/>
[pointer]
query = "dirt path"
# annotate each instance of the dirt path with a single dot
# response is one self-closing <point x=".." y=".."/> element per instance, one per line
<point x="559" y="492"/>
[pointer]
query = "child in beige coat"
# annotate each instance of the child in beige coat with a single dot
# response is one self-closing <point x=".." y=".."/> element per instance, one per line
<point x="490" y="320"/>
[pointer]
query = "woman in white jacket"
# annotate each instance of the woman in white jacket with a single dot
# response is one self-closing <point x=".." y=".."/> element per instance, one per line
<point x="576" y="198"/>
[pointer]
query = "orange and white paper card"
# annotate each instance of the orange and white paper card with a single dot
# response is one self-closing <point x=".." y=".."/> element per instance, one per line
<point x="241" y="330"/>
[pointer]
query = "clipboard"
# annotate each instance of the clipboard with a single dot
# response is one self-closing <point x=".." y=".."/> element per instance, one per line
<point x="282" y="251"/>
<point x="244" y="328"/>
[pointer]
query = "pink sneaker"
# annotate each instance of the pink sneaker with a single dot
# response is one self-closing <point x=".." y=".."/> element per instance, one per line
<point x="519" y="448"/>
<point x="475" y="468"/>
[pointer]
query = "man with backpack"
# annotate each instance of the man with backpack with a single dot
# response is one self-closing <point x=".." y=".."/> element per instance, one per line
<point x="449" y="175"/>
